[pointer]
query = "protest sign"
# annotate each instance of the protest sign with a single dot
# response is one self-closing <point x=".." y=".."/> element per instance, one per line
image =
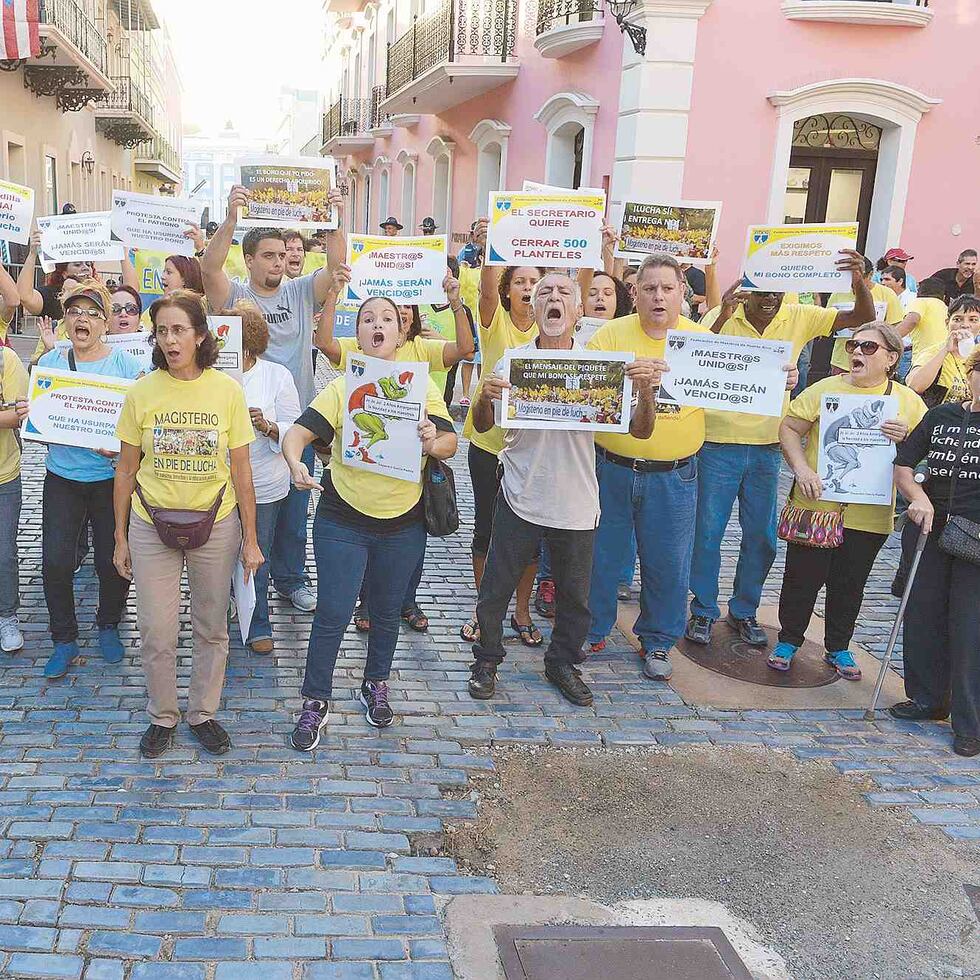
<point x="148" y="221"/>
<point x="685" y="229"/>
<point x="725" y="373"/>
<point x="78" y="238"/>
<point x="586" y="329"/>
<point x="288" y="192"/>
<point x="854" y="457"/>
<point x="550" y="229"/>
<point x="345" y="319"/>
<point x="71" y="408"/>
<point x="844" y="306"/>
<point x="385" y="403"/>
<point x="797" y="258"/>
<point x="16" y="212"/>
<point x="138" y="345"/>
<point x="407" y="270"/>
<point x="227" y="330"/>
<point x="244" y="593"/>
<point x="533" y="187"/>
<point x="567" y="389"/>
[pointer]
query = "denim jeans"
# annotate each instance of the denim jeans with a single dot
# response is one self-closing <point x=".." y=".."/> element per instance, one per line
<point x="342" y="554"/>
<point x="904" y="364"/>
<point x="749" y="474"/>
<point x="10" y="496"/>
<point x="410" y="599"/>
<point x="66" y="506"/>
<point x="287" y="563"/>
<point x="626" y="574"/>
<point x="660" y="507"/>
<point x="266" y="517"/>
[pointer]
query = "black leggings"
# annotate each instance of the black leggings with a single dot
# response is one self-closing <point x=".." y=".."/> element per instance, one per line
<point x="483" y="476"/>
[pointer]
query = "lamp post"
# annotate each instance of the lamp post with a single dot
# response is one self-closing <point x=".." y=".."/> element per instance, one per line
<point x="621" y="10"/>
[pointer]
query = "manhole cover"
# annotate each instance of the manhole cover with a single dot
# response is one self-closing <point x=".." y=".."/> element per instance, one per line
<point x="973" y="894"/>
<point x="728" y="655"/>
<point x="618" y="952"/>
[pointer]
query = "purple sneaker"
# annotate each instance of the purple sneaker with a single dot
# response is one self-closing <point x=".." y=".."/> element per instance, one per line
<point x="306" y="734"/>
<point x="374" y="697"/>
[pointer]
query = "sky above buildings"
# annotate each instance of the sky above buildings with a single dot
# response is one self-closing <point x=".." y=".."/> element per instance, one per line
<point x="235" y="55"/>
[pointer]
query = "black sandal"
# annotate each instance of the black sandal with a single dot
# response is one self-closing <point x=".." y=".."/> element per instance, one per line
<point x="362" y="622"/>
<point x="530" y="635"/>
<point x="470" y="631"/>
<point x="415" y="618"/>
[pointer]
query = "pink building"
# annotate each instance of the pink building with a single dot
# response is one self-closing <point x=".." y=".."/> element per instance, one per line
<point x="783" y="109"/>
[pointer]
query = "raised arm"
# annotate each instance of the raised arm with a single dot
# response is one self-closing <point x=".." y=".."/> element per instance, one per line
<point x="923" y="376"/>
<point x="712" y="289"/>
<point x="463" y="347"/>
<point x="864" y="304"/>
<point x="336" y="250"/>
<point x="128" y="270"/>
<point x="729" y="303"/>
<point x="9" y="297"/>
<point x="217" y="285"/>
<point x="30" y="299"/>
<point x="489" y="277"/>
<point x="323" y="338"/>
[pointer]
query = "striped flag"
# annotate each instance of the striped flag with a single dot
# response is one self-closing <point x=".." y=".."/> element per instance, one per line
<point x="20" y="35"/>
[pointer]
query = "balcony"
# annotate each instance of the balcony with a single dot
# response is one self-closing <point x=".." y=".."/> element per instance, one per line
<point x="456" y="53"/>
<point x="565" y="26"/>
<point x="125" y="115"/>
<point x="160" y="160"/>
<point x="381" y="124"/>
<point x="887" y="13"/>
<point x="347" y="126"/>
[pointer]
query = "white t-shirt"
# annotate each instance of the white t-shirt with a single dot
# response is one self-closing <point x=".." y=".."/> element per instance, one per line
<point x="549" y="475"/>
<point x="270" y="387"/>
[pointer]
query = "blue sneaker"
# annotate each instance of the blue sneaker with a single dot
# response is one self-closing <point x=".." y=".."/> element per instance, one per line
<point x="110" y="644"/>
<point x="60" y="659"/>
<point x="844" y="663"/>
<point x="781" y="657"/>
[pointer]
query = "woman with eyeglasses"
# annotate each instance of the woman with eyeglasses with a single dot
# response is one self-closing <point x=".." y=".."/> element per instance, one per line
<point x="127" y="308"/>
<point x="874" y="351"/>
<point x="78" y="489"/>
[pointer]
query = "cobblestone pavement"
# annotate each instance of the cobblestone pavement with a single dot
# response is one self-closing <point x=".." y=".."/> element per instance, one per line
<point x="266" y="863"/>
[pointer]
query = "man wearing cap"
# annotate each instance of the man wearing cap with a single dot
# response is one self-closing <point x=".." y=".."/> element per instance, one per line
<point x="428" y="226"/>
<point x="391" y="227"/>
<point x="899" y="257"/>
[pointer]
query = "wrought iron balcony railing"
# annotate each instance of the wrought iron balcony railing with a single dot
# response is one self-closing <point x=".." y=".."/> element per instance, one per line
<point x="159" y="149"/>
<point x="561" y="13"/>
<point x="127" y="96"/>
<point x="70" y="19"/>
<point x="378" y="118"/>
<point x="347" y="117"/>
<point x="459" y="28"/>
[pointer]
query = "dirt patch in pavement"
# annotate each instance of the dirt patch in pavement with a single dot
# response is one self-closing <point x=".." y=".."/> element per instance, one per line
<point x="839" y="889"/>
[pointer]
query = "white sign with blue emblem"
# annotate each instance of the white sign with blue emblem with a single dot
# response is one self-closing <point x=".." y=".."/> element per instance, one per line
<point x="798" y="258"/>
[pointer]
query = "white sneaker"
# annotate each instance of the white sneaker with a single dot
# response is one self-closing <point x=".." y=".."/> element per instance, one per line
<point x="303" y="599"/>
<point x="11" y="638"/>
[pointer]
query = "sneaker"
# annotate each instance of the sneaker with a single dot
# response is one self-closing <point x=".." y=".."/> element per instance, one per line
<point x="657" y="665"/>
<point x="60" y="660"/>
<point x="699" y="630"/>
<point x="749" y="630"/>
<point x="963" y="745"/>
<point x="913" y="711"/>
<point x="263" y="645"/>
<point x="212" y="736"/>
<point x="597" y="647"/>
<point x="374" y="697"/>
<point x="781" y="657"/>
<point x="464" y="402"/>
<point x="155" y="741"/>
<point x="544" y="598"/>
<point x="303" y="599"/>
<point x="483" y="680"/>
<point x="110" y="644"/>
<point x="844" y="663"/>
<point x="623" y="592"/>
<point x="11" y="638"/>
<point x="306" y="734"/>
<point x="568" y="680"/>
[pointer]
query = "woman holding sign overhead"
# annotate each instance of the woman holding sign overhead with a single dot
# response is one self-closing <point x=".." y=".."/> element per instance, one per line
<point x="78" y="488"/>
<point x="366" y="524"/>
<point x="836" y="544"/>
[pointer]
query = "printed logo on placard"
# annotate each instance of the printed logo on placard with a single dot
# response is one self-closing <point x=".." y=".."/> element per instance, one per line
<point x="357" y="367"/>
<point x="832" y="404"/>
<point x="44" y="383"/>
<point x="358" y="246"/>
<point x="760" y="237"/>
<point x="503" y="205"/>
<point x="676" y="343"/>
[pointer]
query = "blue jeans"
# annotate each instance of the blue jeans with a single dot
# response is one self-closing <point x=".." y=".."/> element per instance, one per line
<point x="287" y="563"/>
<point x="266" y="517"/>
<point x="10" y="495"/>
<point x="626" y="575"/>
<point x="750" y="474"/>
<point x="342" y="554"/>
<point x="660" y="508"/>
<point x="904" y="364"/>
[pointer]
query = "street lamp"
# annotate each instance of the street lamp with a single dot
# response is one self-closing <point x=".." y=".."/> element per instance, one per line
<point x="621" y="9"/>
<point x="88" y="162"/>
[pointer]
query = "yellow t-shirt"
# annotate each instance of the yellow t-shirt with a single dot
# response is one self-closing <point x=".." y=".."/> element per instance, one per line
<point x="4" y="324"/>
<point x="931" y="330"/>
<point x="60" y="333"/>
<point x="373" y="494"/>
<point x="679" y="429"/>
<point x="417" y="349"/>
<point x="469" y="286"/>
<point x="951" y="375"/>
<point x="887" y="308"/>
<point x="499" y="337"/>
<point x="795" y="323"/>
<point x="876" y="518"/>
<point x="13" y="386"/>
<point x="185" y="429"/>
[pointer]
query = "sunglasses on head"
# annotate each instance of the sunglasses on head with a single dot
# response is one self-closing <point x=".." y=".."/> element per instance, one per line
<point x="868" y="347"/>
<point x="131" y="308"/>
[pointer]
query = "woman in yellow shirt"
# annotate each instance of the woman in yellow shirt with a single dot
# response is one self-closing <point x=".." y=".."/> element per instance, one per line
<point x="875" y="350"/>
<point x="367" y="525"/>
<point x="184" y="432"/>
<point x="938" y="373"/>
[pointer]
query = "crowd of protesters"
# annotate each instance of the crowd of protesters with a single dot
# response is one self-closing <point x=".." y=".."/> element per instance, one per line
<point x="575" y="510"/>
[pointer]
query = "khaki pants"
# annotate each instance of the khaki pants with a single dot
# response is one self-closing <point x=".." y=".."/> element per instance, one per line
<point x="156" y="573"/>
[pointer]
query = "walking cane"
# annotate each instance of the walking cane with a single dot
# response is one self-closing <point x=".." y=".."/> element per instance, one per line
<point x="920" y="545"/>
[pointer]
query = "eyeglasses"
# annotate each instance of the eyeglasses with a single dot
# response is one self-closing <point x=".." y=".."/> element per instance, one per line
<point x="179" y="331"/>
<point x="131" y="308"/>
<point x="76" y="314"/>
<point x="868" y="347"/>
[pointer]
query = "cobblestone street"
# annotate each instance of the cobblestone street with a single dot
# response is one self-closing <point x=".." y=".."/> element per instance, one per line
<point x="267" y="863"/>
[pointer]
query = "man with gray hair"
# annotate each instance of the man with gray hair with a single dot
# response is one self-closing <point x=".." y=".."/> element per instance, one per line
<point x="548" y="491"/>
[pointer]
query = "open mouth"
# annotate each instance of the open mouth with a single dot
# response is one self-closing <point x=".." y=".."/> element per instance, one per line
<point x="377" y="339"/>
<point x="857" y="364"/>
<point x="600" y="307"/>
<point x="82" y="333"/>
<point x="553" y="313"/>
<point x="172" y="353"/>
<point x="526" y="298"/>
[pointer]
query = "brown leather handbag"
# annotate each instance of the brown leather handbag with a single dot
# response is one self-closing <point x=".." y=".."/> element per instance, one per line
<point x="183" y="530"/>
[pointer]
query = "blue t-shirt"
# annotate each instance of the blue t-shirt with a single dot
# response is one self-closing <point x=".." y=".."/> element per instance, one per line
<point x="86" y="465"/>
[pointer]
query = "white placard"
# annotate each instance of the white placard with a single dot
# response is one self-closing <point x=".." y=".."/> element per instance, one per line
<point x="581" y="390"/>
<point x="78" y="238"/>
<point x="288" y="192"/>
<point x="71" y="408"/>
<point x="533" y="187"/>
<point x="16" y="212"/>
<point x="244" y="593"/>
<point x="854" y="457"/>
<point x="586" y="328"/>
<point x="881" y="309"/>
<point x="797" y="258"/>
<point x="684" y="229"/>
<point x="725" y="373"/>
<point x="155" y="223"/>
<point x="406" y="270"/>
<point x="385" y="403"/>
<point x="227" y="330"/>
<point x="547" y="229"/>
<point x="139" y="345"/>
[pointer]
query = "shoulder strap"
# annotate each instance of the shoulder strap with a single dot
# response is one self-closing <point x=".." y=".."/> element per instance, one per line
<point x="888" y="390"/>
<point x="71" y="360"/>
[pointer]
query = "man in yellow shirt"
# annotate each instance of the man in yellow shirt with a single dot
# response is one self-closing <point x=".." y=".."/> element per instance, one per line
<point x="740" y="458"/>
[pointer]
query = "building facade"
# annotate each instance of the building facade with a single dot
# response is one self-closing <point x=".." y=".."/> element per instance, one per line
<point x="97" y="111"/>
<point x="785" y="110"/>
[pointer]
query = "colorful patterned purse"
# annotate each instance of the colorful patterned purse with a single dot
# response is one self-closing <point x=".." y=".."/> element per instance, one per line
<point x="810" y="528"/>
